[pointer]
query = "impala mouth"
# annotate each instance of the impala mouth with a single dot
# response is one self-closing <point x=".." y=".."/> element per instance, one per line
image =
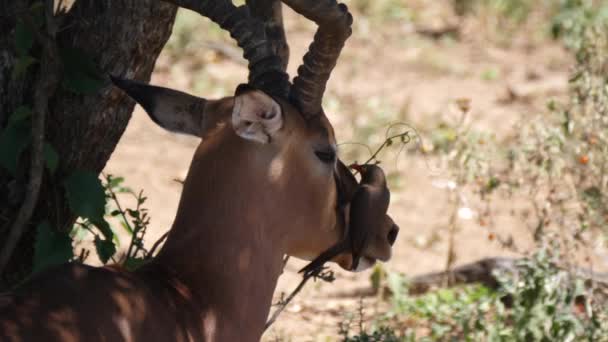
<point x="365" y="263"/>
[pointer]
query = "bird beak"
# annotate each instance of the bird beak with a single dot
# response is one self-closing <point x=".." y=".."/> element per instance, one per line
<point x="356" y="167"/>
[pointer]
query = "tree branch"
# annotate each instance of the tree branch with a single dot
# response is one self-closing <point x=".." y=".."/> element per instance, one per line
<point x="46" y="86"/>
<point x="157" y="244"/>
<point x="320" y="273"/>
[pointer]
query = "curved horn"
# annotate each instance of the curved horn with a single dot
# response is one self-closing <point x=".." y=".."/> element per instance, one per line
<point x="270" y="12"/>
<point x="265" y="66"/>
<point x="334" y="23"/>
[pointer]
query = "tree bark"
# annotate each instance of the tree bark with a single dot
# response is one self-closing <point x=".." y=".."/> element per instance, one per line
<point x="122" y="37"/>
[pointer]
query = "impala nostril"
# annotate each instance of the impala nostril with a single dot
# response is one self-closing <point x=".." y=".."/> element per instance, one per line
<point x="392" y="234"/>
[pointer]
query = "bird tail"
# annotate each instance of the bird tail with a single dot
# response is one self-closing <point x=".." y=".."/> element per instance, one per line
<point x="324" y="257"/>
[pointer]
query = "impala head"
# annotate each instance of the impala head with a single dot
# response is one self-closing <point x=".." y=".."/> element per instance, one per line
<point x="269" y="150"/>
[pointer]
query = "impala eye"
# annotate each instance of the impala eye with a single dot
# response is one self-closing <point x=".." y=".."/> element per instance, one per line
<point x="326" y="156"/>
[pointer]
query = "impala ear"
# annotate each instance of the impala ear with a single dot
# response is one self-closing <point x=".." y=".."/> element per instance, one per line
<point x="256" y="116"/>
<point x="170" y="109"/>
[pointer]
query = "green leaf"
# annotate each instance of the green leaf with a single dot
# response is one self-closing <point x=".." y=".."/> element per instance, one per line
<point x="126" y="227"/>
<point x="13" y="140"/>
<point x="20" y="114"/>
<point x="104" y="228"/>
<point x="114" y="182"/>
<point x="22" y="64"/>
<point x="377" y="275"/>
<point x="593" y="196"/>
<point x="79" y="233"/>
<point x="81" y="75"/>
<point x="492" y="184"/>
<point x="24" y="38"/>
<point x="131" y="264"/>
<point x="396" y="284"/>
<point x="51" y="248"/>
<point x="51" y="158"/>
<point x="86" y="195"/>
<point x="133" y="213"/>
<point x="105" y="249"/>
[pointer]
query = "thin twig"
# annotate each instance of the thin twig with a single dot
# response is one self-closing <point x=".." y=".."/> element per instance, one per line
<point x="60" y="5"/>
<point x="135" y="230"/>
<point x="87" y="228"/>
<point x="451" y="253"/>
<point x="419" y="144"/>
<point x="284" y="303"/>
<point x="118" y="206"/>
<point x="156" y="245"/>
<point x="319" y="273"/>
<point x="361" y="315"/>
<point x="387" y="142"/>
<point x="46" y="86"/>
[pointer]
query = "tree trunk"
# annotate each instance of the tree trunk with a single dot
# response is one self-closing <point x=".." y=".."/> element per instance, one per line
<point x="121" y="37"/>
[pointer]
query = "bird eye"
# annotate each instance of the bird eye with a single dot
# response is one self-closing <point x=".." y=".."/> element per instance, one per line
<point x="326" y="156"/>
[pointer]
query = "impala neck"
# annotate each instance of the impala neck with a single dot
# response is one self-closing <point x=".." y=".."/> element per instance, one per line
<point x="222" y="249"/>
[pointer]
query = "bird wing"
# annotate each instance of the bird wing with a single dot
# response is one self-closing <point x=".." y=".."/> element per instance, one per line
<point x="367" y="211"/>
<point x="324" y="257"/>
<point x="346" y="183"/>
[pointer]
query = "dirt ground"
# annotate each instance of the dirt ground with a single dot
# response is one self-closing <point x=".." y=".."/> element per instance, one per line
<point x="388" y="72"/>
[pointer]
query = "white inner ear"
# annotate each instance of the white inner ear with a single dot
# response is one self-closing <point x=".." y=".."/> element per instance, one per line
<point x="256" y="116"/>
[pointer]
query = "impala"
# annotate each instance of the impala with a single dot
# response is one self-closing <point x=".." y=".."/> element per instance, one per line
<point x="263" y="183"/>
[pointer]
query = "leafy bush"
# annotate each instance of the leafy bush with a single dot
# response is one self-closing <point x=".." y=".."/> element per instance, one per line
<point x="574" y="18"/>
<point x="557" y="162"/>
<point x="567" y="19"/>
<point x="563" y="155"/>
<point x="382" y="334"/>
<point x="134" y="221"/>
<point x="538" y="302"/>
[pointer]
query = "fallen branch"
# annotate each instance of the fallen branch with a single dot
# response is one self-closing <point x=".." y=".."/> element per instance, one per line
<point x="484" y="272"/>
<point x="437" y="33"/>
<point x="481" y="271"/>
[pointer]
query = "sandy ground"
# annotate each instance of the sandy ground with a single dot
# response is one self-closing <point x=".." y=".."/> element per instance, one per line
<point x="384" y="69"/>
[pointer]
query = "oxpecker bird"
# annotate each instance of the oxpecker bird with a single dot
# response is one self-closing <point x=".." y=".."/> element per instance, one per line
<point x="367" y="209"/>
